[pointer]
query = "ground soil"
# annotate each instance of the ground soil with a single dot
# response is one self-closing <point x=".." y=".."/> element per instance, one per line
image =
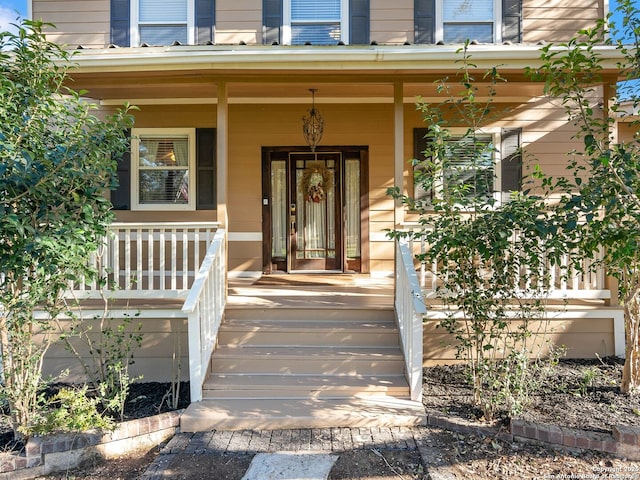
<point x="578" y="394"/>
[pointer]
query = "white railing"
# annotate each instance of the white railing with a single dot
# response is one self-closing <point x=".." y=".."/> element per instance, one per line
<point x="139" y="260"/>
<point x="204" y="307"/>
<point x="583" y="284"/>
<point x="410" y="309"/>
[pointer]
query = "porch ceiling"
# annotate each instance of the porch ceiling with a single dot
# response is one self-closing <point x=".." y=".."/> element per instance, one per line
<point x="203" y="88"/>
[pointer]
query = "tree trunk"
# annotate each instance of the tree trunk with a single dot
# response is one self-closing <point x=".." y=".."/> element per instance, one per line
<point x="631" y="371"/>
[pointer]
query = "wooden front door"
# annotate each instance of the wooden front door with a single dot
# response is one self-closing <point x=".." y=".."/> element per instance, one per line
<point x="313" y="209"/>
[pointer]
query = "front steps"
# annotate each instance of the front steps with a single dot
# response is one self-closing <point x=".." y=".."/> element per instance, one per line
<point x="278" y="368"/>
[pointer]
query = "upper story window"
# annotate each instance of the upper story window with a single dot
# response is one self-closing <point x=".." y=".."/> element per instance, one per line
<point x="454" y="21"/>
<point x="162" y="22"/>
<point x="469" y="19"/>
<point x="318" y="23"/>
<point x="163" y="169"/>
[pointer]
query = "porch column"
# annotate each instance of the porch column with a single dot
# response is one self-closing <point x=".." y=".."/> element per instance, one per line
<point x="222" y="129"/>
<point x="398" y="141"/>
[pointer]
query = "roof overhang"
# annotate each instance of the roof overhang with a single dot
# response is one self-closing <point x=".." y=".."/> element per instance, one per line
<point x="373" y="59"/>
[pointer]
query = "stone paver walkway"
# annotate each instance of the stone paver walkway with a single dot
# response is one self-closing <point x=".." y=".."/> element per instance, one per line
<point x="303" y="440"/>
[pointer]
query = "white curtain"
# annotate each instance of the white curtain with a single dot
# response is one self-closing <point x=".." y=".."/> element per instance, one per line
<point x="279" y="212"/>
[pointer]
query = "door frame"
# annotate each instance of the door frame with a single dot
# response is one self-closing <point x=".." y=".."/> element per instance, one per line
<point x="267" y="235"/>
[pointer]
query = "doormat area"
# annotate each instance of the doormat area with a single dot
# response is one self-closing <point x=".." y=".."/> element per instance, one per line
<point x="306" y="280"/>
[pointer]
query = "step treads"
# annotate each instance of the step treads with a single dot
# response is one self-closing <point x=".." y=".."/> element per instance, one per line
<point x="286" y="382"/>
<point x="233" y="324"/>
<point x="322" y="352"/>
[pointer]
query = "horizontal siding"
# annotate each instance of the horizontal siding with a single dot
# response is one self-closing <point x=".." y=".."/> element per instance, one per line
<point x="77" y="22"/>
<point x="558" y="20"/>
<point x="162" y="338"/>
<point x="391" y="22"/>
<point x="238" y="21"/>
<point x="583" y="338"/>
<point x="86" y="22"/>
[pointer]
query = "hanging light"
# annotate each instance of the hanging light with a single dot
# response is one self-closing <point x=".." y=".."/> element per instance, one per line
<point x="313" y="124"/>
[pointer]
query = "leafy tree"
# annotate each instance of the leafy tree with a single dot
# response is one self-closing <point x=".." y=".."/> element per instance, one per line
<point x="56" y="162"/>
<point x="604" y="186"/>
<point x="494" y="259"/>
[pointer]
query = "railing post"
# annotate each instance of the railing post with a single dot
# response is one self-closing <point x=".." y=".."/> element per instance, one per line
<point x="195" y="355"/>
<point x="410" y="308"/>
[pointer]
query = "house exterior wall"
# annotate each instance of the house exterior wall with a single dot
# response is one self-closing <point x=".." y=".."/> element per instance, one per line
<point x="582" y="338"/>
<point x="558" y="20"/>
<point x="545" y="135"/>
<point x="79" y="22"/>
<point x="392" y="22"/>
<point x="162" y="340"/>
<point x="86" y="22"/>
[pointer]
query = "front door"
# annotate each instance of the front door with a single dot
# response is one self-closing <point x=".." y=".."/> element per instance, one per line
<point x="312" y="209"/>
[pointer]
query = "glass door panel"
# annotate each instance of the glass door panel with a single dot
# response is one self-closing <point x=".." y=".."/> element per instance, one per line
<point x="315" y="232"/>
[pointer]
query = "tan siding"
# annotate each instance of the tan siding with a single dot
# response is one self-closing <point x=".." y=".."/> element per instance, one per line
<point x="161" y="339"/>
<point x="627" y="131"/>
<point x="392" y="22"/>
<point x="584" y="338"/>
<point x="238" y="21"/>
<point x="77" y="22"/>
<point x="558" y="20"/>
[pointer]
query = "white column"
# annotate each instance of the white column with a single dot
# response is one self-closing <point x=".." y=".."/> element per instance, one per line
<point x="398" y="141"/>
<point x="222" y="131"/>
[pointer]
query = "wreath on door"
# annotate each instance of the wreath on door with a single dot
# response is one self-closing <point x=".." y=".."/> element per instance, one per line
<point x="316" y="181"/>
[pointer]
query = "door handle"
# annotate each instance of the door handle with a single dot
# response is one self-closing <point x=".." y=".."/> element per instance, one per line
<point x="293" y="223"/>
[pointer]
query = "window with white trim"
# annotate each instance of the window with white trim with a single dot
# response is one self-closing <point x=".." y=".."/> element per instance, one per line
<point x="163" y="169"/>
<point x="315" y="22"/>
<point x="162" y="22"/>
<point x="459" y="20"/>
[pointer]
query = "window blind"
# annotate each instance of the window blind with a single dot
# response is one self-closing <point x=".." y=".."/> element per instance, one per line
<point x="312" y="10"/>
<point x="163" y="11"/>
<point x="467" y="10"/>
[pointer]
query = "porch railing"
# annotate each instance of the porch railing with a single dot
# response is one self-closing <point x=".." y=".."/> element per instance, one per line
<point x="204" y="307"/>
<point x="564" y="282"/>
<point x="140" y="260"/>
<point x="410" y="309"/>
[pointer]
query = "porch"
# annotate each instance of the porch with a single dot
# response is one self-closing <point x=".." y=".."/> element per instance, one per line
<point x="294" y="351"/>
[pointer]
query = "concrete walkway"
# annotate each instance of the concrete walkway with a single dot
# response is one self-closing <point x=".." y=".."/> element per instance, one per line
<point x="212" y="447"/>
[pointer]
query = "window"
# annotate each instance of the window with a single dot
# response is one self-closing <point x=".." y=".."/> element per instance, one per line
<point x="469" y="19"/>
<point x="161" y="22"/>
<point x="163" y="173"/>
<point x="454" y="21"/>
<point x="481" y="166"/>
<point x="319" y="23"/>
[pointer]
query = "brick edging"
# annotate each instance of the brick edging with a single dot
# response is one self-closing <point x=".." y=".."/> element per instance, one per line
<point x="41" y="454"/>
<point x="624" y="442"/>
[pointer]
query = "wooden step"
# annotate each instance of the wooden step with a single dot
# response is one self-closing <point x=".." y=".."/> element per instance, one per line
<point x="303" y="386"/>
<point x="306" y="333"/>
<point x="234" y="414"/>
<point x="326" y="313"/>
<point x="305" y="367"/>
<point x="307" y="360"/>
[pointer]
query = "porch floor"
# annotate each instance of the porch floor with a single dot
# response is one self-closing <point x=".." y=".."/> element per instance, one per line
<point x="311" y="290"/>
